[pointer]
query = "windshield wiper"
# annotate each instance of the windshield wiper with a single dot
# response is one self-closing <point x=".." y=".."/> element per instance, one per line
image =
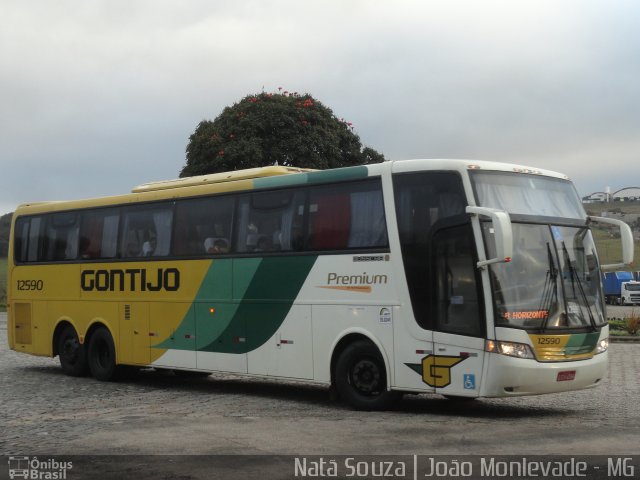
<point x="550" y="290"/>
<point x="576" y="279"/>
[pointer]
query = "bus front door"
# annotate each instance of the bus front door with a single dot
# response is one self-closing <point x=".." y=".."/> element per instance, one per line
<point x="459" y="314"/>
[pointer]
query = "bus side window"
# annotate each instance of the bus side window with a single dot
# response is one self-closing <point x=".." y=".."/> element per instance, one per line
<point x="21" y="239"/>
<point x="347" y="216"/>
<point x="146" y="231"/>
<point x="423" y="201"/>
<point x="329" y="220"/>
<point x="271" y="221"/>
<point x="29" y="239"/>
<point x="203" y="226"/>
<point x="61" y="239"/>
<point x="99" y="233"/>
<point x="36" y="240"/>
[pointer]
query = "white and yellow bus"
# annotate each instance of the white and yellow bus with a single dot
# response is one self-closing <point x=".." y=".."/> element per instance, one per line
<point x="463" y="278"/>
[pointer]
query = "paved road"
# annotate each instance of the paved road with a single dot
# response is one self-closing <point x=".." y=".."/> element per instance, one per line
<point x="43" y="411"/>
<point x="615" y="311"/>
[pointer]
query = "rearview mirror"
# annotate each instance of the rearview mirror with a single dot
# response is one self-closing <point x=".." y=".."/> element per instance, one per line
<point x="626" y="236"/>
<point x="502" y="232"/>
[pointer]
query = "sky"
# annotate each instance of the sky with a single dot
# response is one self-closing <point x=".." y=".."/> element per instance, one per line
<point x="99" y="96"/>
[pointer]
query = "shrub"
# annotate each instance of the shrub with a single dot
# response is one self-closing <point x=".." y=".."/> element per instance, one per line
<point x="632" y="323"/>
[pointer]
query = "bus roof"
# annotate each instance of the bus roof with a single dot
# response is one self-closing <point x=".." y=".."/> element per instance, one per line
<point x="466" y="164"/>
<point x="161" y="190"/>
<point x="247" y="174"/>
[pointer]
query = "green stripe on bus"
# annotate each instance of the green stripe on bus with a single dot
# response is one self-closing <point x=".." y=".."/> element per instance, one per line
<point x="581" y="343"/>
<point x="266" y="303"/>
<point x="215" y="292"/>
<point x="264" y="291"/>
<point x="321" y="176"/>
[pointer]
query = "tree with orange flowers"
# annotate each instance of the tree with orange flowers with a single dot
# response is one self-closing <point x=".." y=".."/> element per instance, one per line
<point x="281" y="128"/>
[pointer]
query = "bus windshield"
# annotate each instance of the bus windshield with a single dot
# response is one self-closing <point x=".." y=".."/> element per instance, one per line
<point x="528" y="194"/>
<point x="552" y="281"/>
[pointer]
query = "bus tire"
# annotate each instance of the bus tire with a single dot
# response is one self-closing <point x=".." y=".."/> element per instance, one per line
<point x="102" y="355"/>
<point x="361" y="377"/>
<point x="72" y="353"/>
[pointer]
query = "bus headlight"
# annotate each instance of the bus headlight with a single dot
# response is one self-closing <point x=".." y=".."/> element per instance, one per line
<point x="603" y="345"/>
<point x="511" y="349"/>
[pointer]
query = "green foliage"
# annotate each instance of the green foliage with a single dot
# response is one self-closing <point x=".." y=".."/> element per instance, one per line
<point x="275" y="128"/>
<point x="616" y="324"/>
<point x="625" y="326"/>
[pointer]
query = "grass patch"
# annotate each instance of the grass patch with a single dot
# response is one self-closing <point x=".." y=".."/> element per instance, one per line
<point x="625" y="326"/>
<point x="609" y="248"/>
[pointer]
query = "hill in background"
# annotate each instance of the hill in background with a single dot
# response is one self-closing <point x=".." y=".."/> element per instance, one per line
<point x="5" y="226"/>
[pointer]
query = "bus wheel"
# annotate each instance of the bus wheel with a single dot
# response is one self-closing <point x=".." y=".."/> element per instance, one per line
<point x="102" y="355"/>
<point x="361" y="378"/>
<point x="73" y="355"/>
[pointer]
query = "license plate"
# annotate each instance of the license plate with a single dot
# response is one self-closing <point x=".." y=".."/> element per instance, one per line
<point x="566" y="376"/>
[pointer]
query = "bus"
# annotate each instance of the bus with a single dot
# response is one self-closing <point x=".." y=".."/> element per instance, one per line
<point x="461" y="278"/>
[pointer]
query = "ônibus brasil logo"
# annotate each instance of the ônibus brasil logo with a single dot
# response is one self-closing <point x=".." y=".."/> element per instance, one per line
<point x="35" y="469"/>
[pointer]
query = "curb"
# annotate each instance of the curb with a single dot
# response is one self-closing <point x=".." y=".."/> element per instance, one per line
<point x="613" y="339"/>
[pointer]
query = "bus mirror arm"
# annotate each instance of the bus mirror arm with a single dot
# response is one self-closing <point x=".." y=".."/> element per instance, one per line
<point x="503" y="234"/>
<point x="626" y="236"/>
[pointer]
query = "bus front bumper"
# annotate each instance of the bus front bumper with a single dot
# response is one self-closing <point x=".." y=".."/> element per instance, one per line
<point x="509" y="376"/>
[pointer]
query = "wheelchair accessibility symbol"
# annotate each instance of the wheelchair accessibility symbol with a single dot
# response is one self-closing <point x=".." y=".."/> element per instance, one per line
<point x="469" y="381"/>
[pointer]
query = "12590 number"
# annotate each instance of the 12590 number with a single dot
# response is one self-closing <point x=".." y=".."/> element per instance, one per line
<point x="30" y="285"/>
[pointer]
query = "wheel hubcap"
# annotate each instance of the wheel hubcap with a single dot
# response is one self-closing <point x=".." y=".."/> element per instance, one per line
<point x="70" y="349"/>
<point x="366" y="377"/>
